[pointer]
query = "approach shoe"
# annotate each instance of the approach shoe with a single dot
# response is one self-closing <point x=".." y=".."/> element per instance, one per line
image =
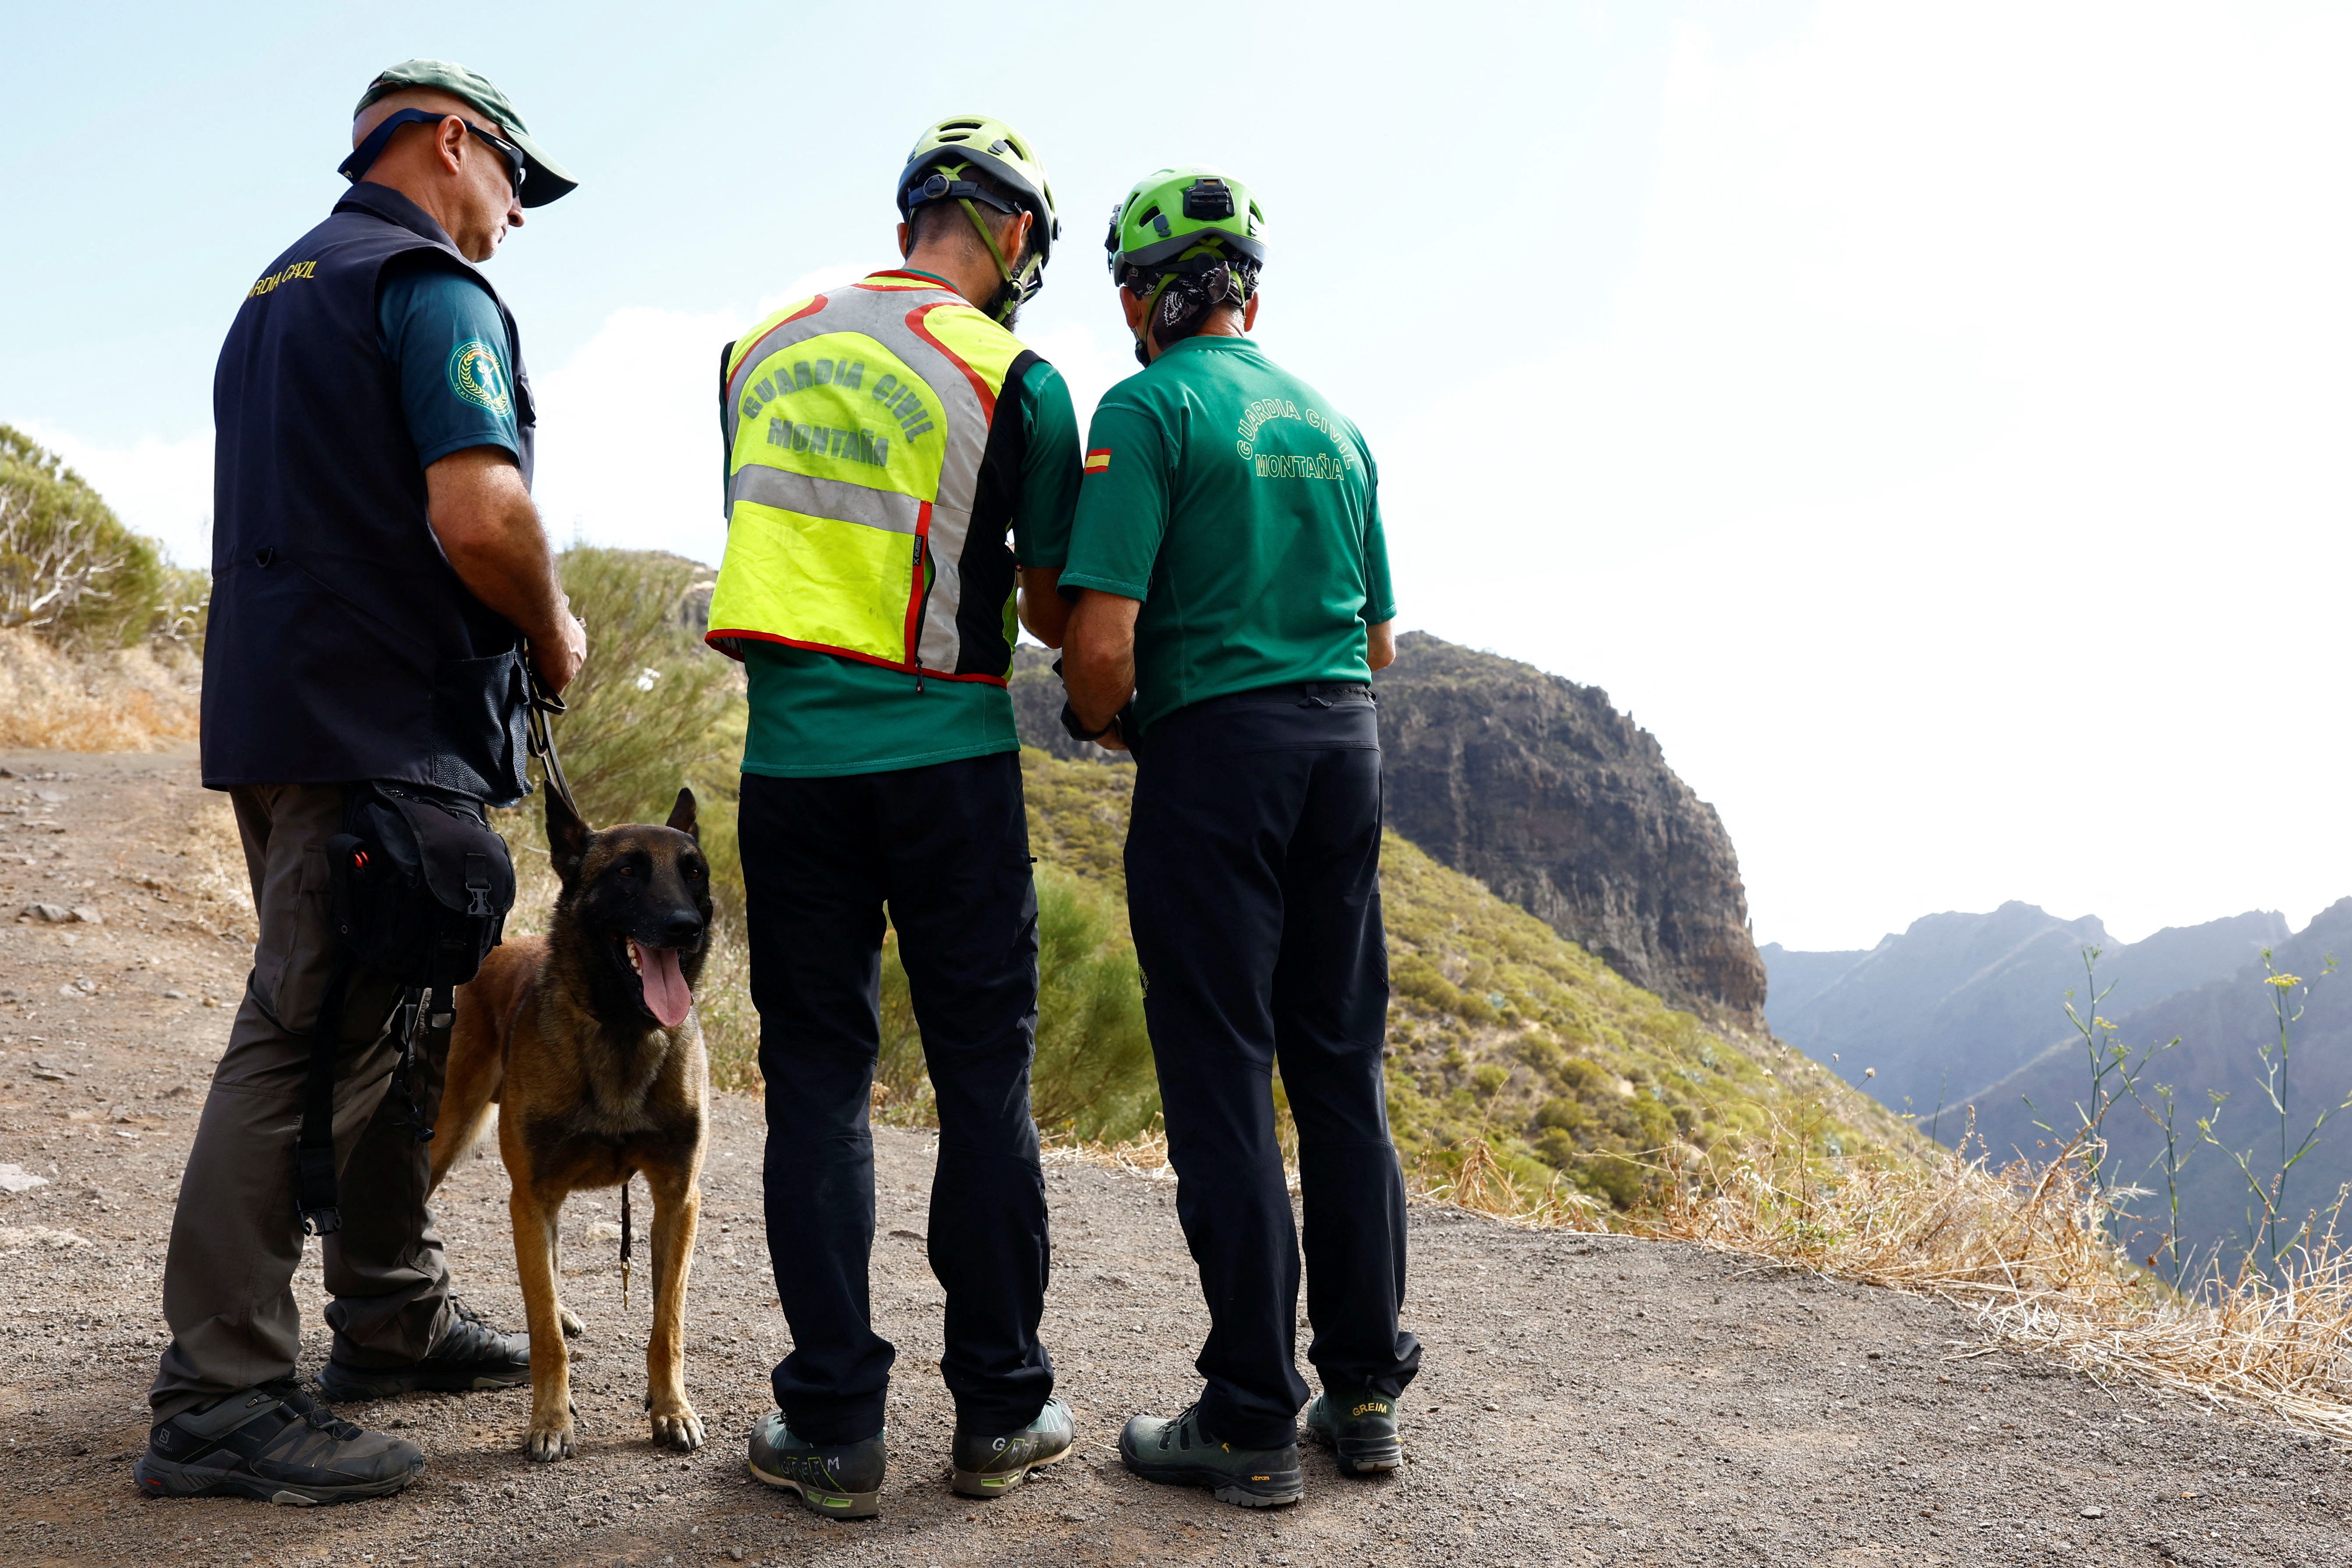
<point x="471" y="1354"/>
<point x="1359" y="1427"/>
<point x="1182" y="1453"/>
<point x="839" y="1481"/>
<point x="991" y="1467"/>
<point x="272" y="1443"/>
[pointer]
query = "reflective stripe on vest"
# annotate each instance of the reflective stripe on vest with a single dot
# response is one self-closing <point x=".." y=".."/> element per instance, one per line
<point x="855" y="424"/>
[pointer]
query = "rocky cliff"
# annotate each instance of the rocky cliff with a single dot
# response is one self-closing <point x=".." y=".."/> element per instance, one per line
<point x="1038" y="708"/>
<point x="1540" y="789"/>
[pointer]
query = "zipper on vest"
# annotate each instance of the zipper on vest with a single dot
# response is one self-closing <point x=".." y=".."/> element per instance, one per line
<point x="922" y="608"/>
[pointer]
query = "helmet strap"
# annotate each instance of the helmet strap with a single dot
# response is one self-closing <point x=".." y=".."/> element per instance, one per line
<point x="1150" y="312"/>
<point x="1018" y="287"/>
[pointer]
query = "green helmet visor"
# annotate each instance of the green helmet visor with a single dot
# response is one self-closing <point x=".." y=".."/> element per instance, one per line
<point x="1174" y="210"/>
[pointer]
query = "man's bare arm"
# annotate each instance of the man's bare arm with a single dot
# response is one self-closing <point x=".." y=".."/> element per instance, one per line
<point x="1380" y="645"/>
<point x="1098" y="659"/>
<point x="1043" y="609"/>
<point x="489" y="529"/>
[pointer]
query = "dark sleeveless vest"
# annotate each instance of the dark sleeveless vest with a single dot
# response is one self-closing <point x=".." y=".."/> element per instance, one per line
<point x="341" y="644"/>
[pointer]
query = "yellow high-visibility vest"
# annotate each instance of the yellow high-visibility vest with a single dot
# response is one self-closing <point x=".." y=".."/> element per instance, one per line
<point x="858" y="425"/>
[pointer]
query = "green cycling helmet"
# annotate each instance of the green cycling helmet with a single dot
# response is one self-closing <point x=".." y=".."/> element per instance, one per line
<point x="938" y="170"/>
<point x="1176" y="214"/>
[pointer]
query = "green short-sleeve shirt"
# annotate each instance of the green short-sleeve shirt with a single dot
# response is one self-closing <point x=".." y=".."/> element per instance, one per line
<point x="444" y="332"/>
<point x="815" y="715"/>
<point x="1227" y="494"/>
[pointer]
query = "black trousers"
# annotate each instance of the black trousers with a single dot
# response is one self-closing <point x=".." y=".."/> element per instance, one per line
<point x="946" y="849"/>
<point x="1253" y="877"/>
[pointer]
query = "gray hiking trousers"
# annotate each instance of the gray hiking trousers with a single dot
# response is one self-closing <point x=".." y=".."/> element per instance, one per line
<point x="236" y="1237"/>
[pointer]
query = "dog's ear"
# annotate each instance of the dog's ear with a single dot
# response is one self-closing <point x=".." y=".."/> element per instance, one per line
<point x="567" y="839"/>
<point x="681" y="815"/>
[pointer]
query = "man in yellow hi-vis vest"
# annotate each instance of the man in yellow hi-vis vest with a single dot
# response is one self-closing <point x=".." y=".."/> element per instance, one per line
<point x="896" y="463"/>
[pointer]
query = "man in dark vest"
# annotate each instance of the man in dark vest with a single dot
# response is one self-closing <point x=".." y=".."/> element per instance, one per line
<point x="378" y="569"/>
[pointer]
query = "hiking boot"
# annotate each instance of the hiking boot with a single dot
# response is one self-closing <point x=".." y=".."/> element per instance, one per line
<point x="272" y="1443"/>
<point x="1182" y="1453"/>
<point x="841" y="1480"/>
<point x="990" y="1467"/>
<point x="1359" y="1427"/>
<point x="471" y="1354"/>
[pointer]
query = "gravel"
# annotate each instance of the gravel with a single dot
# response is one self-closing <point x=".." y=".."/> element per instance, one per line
<point x="1584" y="1400"/>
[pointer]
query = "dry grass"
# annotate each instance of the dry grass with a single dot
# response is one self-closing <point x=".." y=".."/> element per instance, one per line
<point x="2028" y="1250"/>
<point x="129" y="699"/>
<point x="1145" y="1156"/>
<point x="1485" y="1184"/>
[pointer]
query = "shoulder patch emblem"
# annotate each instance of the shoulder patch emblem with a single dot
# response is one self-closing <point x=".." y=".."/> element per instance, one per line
<point x="476" y="375"/>
<point x="1098" y="460"/>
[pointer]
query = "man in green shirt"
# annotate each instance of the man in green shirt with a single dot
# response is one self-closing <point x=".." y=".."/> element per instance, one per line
<point x="1234" y="600"/>
<point x="895" y="457"/>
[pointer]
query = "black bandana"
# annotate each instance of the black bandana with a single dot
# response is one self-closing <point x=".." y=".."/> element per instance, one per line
<point x="1192" y="290"/>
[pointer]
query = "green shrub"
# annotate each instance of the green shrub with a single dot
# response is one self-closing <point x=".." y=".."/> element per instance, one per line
<point x="1414" y="976"/>
<point x="1563" y="1114"/>
<point x="648" y="709"/>
<point x="1093" y="1077"/>
<point x="1094" y="1074"/>
<point x="905" y="1087"/>
<point x="653" y="708"/>
<point x="71" y="571"/>
<point x="1583" y="1077"/>
<point x="1621" y="1181"/>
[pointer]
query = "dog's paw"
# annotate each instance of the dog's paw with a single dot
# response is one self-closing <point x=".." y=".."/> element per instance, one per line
<point x="549" y="1440"/>
<point x="681" y="1429"/>
<point x="573" y="1327"/>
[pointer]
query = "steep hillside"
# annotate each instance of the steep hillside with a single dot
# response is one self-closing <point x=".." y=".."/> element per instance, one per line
<point x="1502" y="1030"/>
<point x="1959" y="1001"/>
<point x="2221" y="1025"/>
<point x="1541" y="790"/>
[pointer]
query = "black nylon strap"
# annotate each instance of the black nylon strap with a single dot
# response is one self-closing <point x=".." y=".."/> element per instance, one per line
<point x="314" y="1149"/>
<point x="544" y="708"/>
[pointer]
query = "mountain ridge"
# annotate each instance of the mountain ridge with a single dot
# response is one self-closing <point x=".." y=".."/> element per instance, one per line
<point x="1956" y="1002"/>
<point x="2219" y="1025"/>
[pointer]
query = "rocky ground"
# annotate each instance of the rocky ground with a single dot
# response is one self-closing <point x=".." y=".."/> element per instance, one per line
<point x="1585" y="1400"/>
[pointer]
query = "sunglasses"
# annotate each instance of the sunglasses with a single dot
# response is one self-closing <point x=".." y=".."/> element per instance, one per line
<point x="363" y="156"/>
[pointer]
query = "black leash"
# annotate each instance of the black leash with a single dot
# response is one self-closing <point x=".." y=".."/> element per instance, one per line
<point x="543" y="708"/>
<point x="625" y="1239"/>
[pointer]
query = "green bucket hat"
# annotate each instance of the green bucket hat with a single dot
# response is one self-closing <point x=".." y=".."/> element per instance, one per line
<point x="546" y="179"/>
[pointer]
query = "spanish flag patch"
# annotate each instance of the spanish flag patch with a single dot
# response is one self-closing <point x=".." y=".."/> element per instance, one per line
<point x="1098" y="460"/>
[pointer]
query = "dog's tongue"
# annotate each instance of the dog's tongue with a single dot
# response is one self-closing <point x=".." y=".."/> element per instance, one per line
<point x="665" y="992"/>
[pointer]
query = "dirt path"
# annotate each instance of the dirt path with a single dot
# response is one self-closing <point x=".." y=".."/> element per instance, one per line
<point x="1585" y="1400"/>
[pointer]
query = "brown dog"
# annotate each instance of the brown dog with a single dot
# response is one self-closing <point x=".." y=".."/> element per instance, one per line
<point x="586" y="1040"/>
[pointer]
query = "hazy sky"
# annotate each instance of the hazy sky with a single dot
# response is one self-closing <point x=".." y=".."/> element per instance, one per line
<point x="1930" y="421"/>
